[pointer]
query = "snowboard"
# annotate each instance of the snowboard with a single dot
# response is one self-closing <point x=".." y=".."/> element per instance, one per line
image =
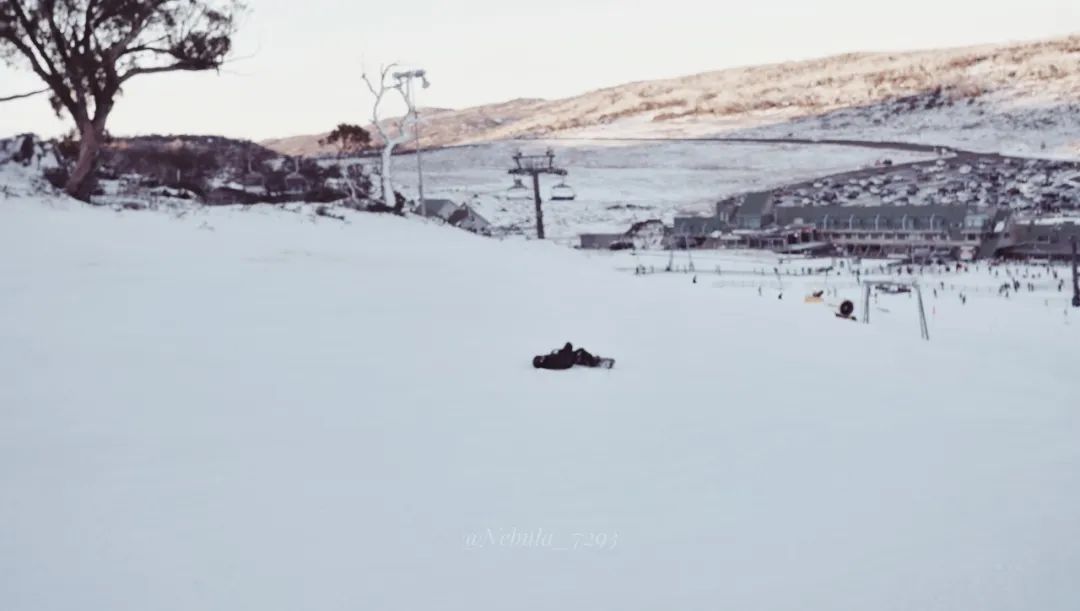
<point x="605" y="363"/>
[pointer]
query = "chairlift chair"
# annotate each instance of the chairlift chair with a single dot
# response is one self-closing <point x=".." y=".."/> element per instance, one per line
<point x="518" y="191"/>
<point x="562" y="193"/>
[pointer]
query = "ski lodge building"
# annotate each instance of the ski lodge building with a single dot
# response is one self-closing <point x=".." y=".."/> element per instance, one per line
<point x="934" y="230"/>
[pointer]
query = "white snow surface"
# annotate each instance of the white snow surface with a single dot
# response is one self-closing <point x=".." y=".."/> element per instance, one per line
<point x="261" y="409"/>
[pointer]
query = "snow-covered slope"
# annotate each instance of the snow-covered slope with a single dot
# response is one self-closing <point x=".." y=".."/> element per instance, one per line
<point x="1014" y="98"/>
<point x="262" y="409"/>
<point x="618" y="184"/>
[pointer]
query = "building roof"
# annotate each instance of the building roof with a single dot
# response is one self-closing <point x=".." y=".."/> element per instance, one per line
<point x="441" y="208"/>
<point x="756" y="204"/>
<point x="726" y="207"/>
<point x="474" y="215"/>
<point x="464" y="216"/>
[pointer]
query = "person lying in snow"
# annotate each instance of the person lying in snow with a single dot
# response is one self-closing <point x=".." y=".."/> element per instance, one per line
<point x="568" y="357"/>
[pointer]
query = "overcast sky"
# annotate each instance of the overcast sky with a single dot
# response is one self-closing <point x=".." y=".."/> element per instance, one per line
<point x="298" y="63"/>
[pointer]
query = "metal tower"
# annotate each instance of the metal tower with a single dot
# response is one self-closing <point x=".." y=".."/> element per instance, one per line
<point x="535" y="165"/>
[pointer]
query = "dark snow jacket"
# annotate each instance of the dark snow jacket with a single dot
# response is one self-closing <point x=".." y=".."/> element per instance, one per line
<point x="560" y="359"/>
<point x="566" y="358"/>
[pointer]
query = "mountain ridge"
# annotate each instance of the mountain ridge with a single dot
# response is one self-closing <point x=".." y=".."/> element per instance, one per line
<point x="1006" y="88"/>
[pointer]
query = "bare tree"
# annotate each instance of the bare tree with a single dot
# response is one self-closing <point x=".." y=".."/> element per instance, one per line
<point x="86" y="50"/>
<point x="356" y="181"/>
<point x="390" y="136"/>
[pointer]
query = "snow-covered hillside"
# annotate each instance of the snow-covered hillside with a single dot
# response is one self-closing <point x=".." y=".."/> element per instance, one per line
<point x="1018" y="98"/>
<point x="263" y="409"/>
<point x="618" y="184"/>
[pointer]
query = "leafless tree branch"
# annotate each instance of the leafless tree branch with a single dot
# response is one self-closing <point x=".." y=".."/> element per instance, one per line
<point x="20" y="96"/>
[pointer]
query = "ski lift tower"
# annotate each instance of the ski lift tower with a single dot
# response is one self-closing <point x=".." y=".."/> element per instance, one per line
<point x="535" y="165"/>
<point x="1075" y="276"/>
<point x="405" y="85"/>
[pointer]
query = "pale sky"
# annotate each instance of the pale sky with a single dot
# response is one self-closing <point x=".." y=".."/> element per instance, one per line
<point x="298" y="63"/>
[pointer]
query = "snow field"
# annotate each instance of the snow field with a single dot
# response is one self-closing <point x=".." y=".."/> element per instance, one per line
<point x="263" y="409"/>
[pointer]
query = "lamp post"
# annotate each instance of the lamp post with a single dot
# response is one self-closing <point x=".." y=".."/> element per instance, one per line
<point x="405" y="84"/>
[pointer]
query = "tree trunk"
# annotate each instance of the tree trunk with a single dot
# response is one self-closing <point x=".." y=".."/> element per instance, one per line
<point x="387" y="186"/>
<point x="79" y="183"/>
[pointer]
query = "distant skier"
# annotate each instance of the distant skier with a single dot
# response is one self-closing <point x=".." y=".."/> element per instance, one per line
<point x="567" y="357"/>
